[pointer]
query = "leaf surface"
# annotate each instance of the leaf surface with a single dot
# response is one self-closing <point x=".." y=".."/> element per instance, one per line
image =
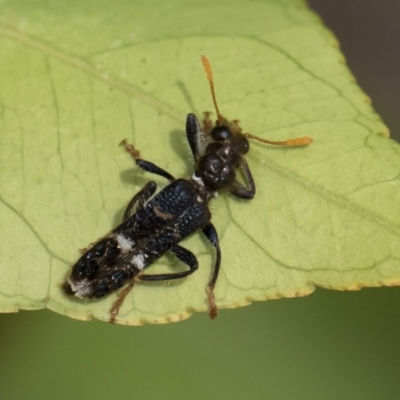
<point x="76" y="78"/>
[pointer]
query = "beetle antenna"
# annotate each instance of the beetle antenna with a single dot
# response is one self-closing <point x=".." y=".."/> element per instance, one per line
<point x="290" y="142"/>
<point x="207" y="68"/>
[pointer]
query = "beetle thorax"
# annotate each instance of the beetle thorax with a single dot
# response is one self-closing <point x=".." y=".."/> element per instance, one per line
<point x="217" y="167"/>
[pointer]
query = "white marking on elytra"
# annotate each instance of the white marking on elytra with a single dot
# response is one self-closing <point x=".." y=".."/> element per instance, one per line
<point x="124" y="243"/>
<point x="82" y="289"/>
<point x="139" y="260"/>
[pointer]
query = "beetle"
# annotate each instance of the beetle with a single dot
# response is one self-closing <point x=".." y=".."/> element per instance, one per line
<point x="154" y="224"/>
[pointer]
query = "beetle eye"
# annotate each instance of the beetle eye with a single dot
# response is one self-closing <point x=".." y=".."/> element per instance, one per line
<point x="243" y="145"/>
<point x="220" y="133"/>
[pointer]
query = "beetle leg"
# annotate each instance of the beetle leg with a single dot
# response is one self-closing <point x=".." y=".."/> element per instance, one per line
<point x="239" y="190"/>
<point x="146" y="165"/>
<point x="140" y="198"/>
<point x="212" y="236"/>
<point x="183" y="255"/>
<point x="195" y="136"/>
<point x="114" y="310"/>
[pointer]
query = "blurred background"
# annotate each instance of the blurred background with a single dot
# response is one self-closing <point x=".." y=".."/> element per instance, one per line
<point x="369" y="34"/>
<point x="330" y="345"/>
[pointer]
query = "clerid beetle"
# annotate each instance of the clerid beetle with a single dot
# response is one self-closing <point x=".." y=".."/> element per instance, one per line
<point x="154" y="224"/>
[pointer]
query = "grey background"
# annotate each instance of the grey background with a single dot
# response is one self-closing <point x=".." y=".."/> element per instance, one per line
<point x="369" y="34"/>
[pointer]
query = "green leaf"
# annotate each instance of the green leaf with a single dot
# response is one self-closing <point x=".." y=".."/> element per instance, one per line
<point x="77" y="77"/>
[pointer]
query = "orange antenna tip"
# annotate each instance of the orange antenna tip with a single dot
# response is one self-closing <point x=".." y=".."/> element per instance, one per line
<point x="304" y="141"/>
<point x="289" y="143"/>
<point x="207" y="68"/>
